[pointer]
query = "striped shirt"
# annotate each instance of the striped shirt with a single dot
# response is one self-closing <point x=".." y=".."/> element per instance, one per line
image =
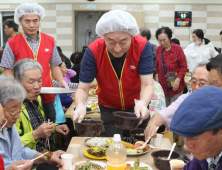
<point x="8" y="58"/>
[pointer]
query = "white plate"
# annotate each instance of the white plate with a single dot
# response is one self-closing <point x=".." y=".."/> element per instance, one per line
<point x="135" y="154"/>
<point x="96" y="162"/>
<point x="95" y="145"/>
<point x="141" y="164"/>
<point x="56" y="90"/>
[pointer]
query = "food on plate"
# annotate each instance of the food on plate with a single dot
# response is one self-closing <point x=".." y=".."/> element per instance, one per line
<point x="92" y="93"/>
<point x="97" y="151"/>
<point x="134" y="149"/>
<point x="129" y="140"/>
<point x="88" y="109"/>
<point x="48" y="155"/>
<point x="126" y="144"/>
<point x="130" y="147"/>
<point x="136" y="166"/>
<point x="89" y="166"/>
<point x="97" y="142"/>
<point x="141" y="134"/>
<point x="109" y="141"/>
<point x="131" y="150"/>
<point x="93" y="106"/>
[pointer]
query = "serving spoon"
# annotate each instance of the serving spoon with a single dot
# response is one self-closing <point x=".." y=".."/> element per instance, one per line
<point x="144" y="145"/>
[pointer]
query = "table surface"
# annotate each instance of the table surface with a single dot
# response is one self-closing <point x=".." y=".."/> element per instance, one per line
<point x="91" y="115"/>
<point x="145" y="158"/>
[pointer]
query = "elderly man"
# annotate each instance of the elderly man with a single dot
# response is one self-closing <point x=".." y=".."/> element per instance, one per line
<point x="12" y="94"/>
<point x="122" y="63"/>
<point x="203" y="133"/>
<point x="199" y="79"/>
<point x="35" y="45"/>
<point x="31" y="125"/>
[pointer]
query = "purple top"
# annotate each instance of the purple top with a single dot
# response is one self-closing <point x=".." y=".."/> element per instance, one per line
<point x="196" y="164"/>
<point x="167" y="113"/>
<point x="70" y="74"/>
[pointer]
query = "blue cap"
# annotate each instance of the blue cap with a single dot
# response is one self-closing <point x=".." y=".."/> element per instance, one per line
<point x="201" y="111"/>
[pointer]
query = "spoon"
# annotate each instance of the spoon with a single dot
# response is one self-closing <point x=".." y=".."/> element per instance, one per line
<point x="174" y="144"/>
<point x="144" y="145"/>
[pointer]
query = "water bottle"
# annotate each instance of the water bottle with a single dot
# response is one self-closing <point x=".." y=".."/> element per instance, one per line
<point x="116" y="154"/>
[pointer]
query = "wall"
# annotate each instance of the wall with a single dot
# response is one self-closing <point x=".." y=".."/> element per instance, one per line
<point x="59" y="20"/>
<point x="83" y="23"/>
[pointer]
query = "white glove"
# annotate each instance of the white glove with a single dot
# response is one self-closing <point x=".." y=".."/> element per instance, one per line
<point x="79" y="112"/>
<point x="141" y="109"/>
<point x="63" y="84"/>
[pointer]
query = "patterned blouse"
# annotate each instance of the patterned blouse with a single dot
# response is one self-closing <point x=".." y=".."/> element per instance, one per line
<point x="157" y="102"/>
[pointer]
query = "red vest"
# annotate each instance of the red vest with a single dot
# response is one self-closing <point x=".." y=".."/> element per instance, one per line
<point x="112" y="91"/>
<point x="22" y="50"/>
<point x="1" y="163"/>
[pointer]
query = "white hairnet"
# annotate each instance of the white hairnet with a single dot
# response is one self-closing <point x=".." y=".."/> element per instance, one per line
<point x="28" y="8"/>
<point x="116" y="21"/>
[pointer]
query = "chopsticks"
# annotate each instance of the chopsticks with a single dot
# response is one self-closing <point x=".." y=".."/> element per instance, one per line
<point x="47" y="139"/>
<point x="33" y="159"/>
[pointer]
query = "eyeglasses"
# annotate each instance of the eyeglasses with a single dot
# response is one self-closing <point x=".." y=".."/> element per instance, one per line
<point x="6" y="28"/>
<point x="14" y="113"/>
<point x="200" y="84"/>
<point x="164" y="40"/>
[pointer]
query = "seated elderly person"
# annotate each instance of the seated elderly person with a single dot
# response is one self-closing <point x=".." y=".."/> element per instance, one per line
<point x="199" y="120"/>
<point x="13" y="166"/>
<point x="12" y="94"/>
<point x="198" y="80"/>
<point x="31" y="125"/>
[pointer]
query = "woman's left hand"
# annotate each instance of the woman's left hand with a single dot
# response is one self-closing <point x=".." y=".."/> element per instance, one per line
<point x="176" y="84"/>
<point x="63" y="129"/>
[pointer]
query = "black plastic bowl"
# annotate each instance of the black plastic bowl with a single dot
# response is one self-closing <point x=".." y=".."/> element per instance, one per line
<point x="137" y="134"/>
<point x="163" y="164"/>
<point x="89" y="127"/>
<point x="126" y="120"/>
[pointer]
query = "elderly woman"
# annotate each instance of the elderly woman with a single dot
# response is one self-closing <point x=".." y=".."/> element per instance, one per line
<point x="13" y="166"/>
<point x="30" y="126"/>
<point x="12" y="94"/>
<point x="175" y="61"/>
<point x="200" y="50"/>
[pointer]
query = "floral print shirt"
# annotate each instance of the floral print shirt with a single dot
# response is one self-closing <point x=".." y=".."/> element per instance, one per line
<point x="157" y="102"/>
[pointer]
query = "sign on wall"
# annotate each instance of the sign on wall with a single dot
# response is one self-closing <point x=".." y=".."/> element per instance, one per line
<point x="183" y="19"/>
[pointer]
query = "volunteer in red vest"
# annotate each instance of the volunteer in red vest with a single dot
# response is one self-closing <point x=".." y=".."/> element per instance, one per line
<point x="122" y="63"/>
<point x="35" y="45"/>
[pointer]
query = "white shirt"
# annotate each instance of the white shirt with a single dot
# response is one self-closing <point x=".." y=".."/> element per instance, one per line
<point x="196" y="54"/>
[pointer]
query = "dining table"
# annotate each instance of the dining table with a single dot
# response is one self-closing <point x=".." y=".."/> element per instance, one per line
<point x="143" y="158"/>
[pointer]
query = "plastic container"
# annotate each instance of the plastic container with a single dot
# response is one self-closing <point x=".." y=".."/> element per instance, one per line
<point x="116" y="154"/>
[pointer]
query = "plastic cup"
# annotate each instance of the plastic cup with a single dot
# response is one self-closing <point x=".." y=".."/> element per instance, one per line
<point x="175" y="162"/>
<point x="67" y="160"/>
<point x="75" y="150"/>
<point x="151" y="141"/>
<point x="158" y="140"/>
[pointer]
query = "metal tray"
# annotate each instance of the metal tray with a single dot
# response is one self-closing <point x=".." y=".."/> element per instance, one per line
<point x="56" y="90"/>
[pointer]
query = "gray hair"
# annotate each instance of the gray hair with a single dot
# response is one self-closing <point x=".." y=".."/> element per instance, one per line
<point x="201" y="64"/>
<point x="23" y="65"/>
<point x="10" y="89"/>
